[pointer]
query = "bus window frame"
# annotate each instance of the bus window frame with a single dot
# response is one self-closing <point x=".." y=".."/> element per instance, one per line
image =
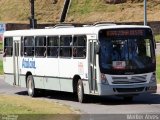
<point x="29" y="46"/>
<point x="84" y="47"/>
<point x="5" y="47"/>
<point x="44" y="46"/>
<point x="22" y="46"/>
<point x="58" y="46"/>
<point x="62" y="46"/>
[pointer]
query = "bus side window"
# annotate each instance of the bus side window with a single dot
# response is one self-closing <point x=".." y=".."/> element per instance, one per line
<point x="66" y="46"/>
<point x="52" y="46"/>
<point x="8" y="46"/>
<point x="22" y="46"/>
<point x="74" y="52"/>
<point x="79" y="46"/>
<point x="29" y="46"/>
<point x="5" y="52"/>
<point x="40" y="46"/>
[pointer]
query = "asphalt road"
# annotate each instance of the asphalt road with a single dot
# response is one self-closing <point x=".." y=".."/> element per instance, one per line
<point x="142" y="104"/>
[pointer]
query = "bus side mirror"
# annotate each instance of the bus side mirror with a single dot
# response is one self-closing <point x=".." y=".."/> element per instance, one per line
<point x="97" y="47"/>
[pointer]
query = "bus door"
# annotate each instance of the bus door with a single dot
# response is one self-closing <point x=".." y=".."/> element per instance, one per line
<point x="92" y="67"/>
<point x="16" y="60"/>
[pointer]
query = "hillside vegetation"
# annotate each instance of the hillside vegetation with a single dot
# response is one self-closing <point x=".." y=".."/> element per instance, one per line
<point x="80" y="11"/>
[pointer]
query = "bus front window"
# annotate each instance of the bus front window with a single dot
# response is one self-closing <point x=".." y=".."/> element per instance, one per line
<point x="119" y="55"/>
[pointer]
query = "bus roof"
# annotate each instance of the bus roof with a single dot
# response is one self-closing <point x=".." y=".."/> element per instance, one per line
<point x="68" y="30"/>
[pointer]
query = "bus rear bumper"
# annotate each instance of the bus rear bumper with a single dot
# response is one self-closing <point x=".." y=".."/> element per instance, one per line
<point x="126" y="89"/>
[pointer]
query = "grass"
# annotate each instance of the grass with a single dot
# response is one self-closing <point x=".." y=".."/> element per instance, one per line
<point x="158" y="69"/>
<point x="157" y="38"/>
<point x="80" y="11"/>
<point x="1" y="62"/>
<point x="96" y="10"/>
<point x="1" y="45"/>
<point x="27" y="107"/>
<point x="1" y="67"/>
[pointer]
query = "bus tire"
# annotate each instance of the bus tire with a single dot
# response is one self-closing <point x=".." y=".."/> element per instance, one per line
<point x="80" y="91"/>
<point x="30" y="86"/>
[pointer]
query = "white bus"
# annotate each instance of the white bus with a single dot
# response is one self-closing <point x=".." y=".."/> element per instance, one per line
<point x="99" y="59"/>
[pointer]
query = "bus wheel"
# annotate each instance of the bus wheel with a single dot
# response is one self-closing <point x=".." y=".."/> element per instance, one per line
<point x="80" y="91"/>
<point x="30" y="86"/>
<point x="128" y="98"/>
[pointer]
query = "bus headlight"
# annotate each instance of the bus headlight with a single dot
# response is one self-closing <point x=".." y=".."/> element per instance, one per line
<point x="103" y="79"/>
<point x="153" y="78"/>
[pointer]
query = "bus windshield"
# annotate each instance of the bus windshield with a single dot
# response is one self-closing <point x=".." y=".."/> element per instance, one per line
<point x="126" y="51"/>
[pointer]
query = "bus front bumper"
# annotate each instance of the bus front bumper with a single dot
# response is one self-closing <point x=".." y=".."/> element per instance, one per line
<point x="105" y="89"/>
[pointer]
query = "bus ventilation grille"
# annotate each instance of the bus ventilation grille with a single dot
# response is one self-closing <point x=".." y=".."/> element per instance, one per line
<point x="138" y="89"/>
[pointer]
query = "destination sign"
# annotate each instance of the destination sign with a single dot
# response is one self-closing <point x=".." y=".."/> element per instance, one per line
<point x="125" y="32"/>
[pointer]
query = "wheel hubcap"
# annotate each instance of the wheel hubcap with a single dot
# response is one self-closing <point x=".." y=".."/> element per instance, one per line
<point x="30" y="87"/>
<point x="79" y="92"/>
